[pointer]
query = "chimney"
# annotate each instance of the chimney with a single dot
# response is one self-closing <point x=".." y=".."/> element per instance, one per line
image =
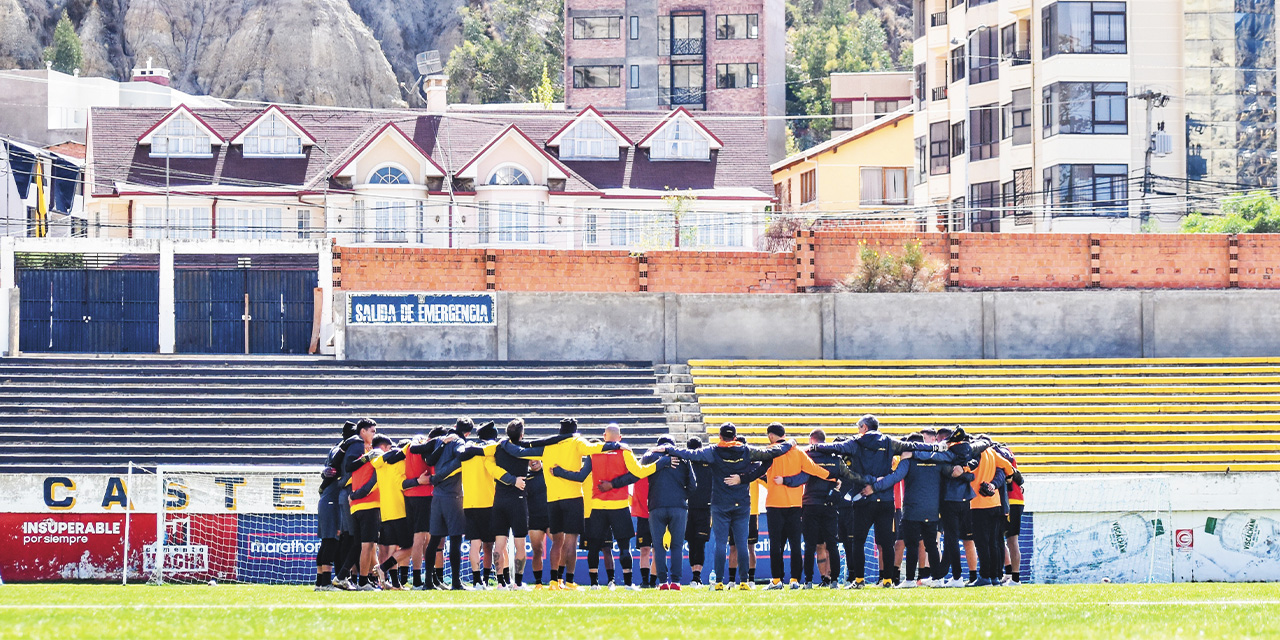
<point x="435" y="89"/>
<point x="156" y="75"/>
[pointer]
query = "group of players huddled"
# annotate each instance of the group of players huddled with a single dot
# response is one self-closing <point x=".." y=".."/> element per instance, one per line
<point x="387" y="508"/>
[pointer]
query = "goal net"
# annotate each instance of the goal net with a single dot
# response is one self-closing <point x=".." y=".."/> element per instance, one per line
<point x="235" y="524"/>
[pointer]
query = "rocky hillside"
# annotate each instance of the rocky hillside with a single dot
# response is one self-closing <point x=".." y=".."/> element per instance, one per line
<point x="326" y="52"/>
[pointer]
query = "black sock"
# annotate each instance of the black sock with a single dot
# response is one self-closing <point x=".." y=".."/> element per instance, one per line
<point x="417" y="577"/>
<point x="555" y="574"/>
<point x="568" y="576"/>
<point x="751" y="575"/>
<point x="519" y="578"/>
<point x="973" y="575"/>
<point x="611" y="574"/>
<point x="394" y="577"/>
<point x="324" y="578"/>
<point x="1008" y="569"/>
<point x="644" y="576"/>
<point x="362" y="581"/>
<point x="626" y="577"/>
<point x="653" y="579"/>
<point x="488" y="573"/>
<point x="404" y="575"/>
<point x="438" y="574"/>
<point x="594" y="577"/>
<point x="537" y="577"/>
<point x="733" y="575"/>
<point x="1017" y="576"/>
<point x="695" y="576"/>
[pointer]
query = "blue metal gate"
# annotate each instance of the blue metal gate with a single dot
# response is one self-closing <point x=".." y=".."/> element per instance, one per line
<point x="89" y="310"/>
<point x="210" y="310"/>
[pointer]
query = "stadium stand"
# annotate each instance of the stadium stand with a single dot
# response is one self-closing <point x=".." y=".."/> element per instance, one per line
<point x="98" y="414"/>
<point x="1084" y="415"/>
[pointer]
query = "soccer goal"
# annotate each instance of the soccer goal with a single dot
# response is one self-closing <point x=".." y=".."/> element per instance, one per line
<point x="247" y="523"/>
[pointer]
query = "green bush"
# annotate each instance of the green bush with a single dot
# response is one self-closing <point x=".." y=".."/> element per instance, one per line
<point x="1253" y="212"/>
<point x="886" y="272"/>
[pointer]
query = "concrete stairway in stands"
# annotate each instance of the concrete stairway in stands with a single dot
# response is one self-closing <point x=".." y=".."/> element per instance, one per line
<point x="675" y="386"/>
<point x="1109" y="415"/>
<point x="100" y="413"/>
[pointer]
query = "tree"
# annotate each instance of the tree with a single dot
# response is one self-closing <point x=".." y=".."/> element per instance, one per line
<point x="1253" y="212"/>
<point x="65" y="52"/>
<point x="827" y="38"/>
<point x="506" y="50"/>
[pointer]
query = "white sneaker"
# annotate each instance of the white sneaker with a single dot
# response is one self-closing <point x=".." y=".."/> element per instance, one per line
<point x="906" y="584"/>
<point x="775" y="585"/>
<point x="633" y="587"/>
<point x="795" y="584"/>
<point x="954" y="583"/>
<point x="927" y="583"/>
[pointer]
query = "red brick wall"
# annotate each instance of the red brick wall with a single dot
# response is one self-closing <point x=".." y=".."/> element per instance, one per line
<point x="536" y="270"/>
<point x="836" y="251"/>
<point x="1259" y="260"/>
<point x="721" y="272"/>
<point x="1016" y="260"/>
<point x="1164" y="261"/>
<point x="397" y="269"/>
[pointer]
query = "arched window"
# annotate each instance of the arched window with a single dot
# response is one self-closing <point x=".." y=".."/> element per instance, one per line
<point x="509" y="175"/>
<point x="389" y="175"/>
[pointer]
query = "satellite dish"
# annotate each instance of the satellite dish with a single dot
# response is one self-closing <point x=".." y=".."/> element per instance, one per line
<point x="429" y="63"/>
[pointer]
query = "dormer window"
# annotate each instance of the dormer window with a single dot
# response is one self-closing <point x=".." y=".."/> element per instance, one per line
<point x="180" y="137"/>
<point x="389" y="175"/>
<point x="589" y="140"/>
<point x="272" y="137"/>
<point x="680" y="140"/>
<point x="509" y="175"/>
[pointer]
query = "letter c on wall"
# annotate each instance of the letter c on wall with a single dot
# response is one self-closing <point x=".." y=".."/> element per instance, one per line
<point x="51" y="486"/>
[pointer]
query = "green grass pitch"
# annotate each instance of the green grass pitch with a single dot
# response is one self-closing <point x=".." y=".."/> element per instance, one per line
<point x="1032" y="611"/>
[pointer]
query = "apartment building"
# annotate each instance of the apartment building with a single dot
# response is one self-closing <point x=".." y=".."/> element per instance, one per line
<point x="646" y="55"/>
<point x="859" y="98"/>
<point x="1074" y="115"/>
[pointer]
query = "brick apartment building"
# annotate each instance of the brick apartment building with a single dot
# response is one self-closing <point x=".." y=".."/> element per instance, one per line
<point x="725" y="56"/>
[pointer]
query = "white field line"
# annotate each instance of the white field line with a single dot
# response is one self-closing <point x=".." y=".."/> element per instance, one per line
<point x="627" y="605"/>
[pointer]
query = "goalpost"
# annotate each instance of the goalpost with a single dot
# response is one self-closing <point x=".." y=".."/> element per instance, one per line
<point x="234" y="523"/>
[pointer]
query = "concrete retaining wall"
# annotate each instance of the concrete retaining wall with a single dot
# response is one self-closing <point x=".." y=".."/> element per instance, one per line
<point x="678" y="327"/>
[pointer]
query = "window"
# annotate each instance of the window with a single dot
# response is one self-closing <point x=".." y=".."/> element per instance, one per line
<point x="681" y="84"/>
<point x="1087" y="189"/>
<point x="634" y="76"/>
<point x="737" y="27"/>
<point x="390" y="221"/>
<point x="984" y="132"/>
<point x="272" y="137"/>
<point x="1017" y="195"/>
<point x="180" y="137"/>
<point x="737" y="75"/>
<point x="882" y="186"/>
<point x="1008" y="41"/>
<point x="984" y="212"/>
<point x="680" y="140"/>
<point x="388" y="175"/>
<point x="513" y="221"/>
<point x="633" y="28"/>
<point x="921" y="78"/>
<point x="304" y="224"/>
<point x="588" y="140"/>
<point x="1086" y="107"/>
<point x="681" y="35"/>
<point x="596" y="28"/>
<point x="482" y="223"/>
<point x="244" y="223"/>
<point x="882" y="107"/>
<point x="509" y="176"/>
<point x="984" y="58"/>
<point x="922" y="160"/>
<point x="809" y="186"/>
<point x="597" y="77"/>
<point x="844" y="115"/>
<point x="182" y="223"/>
<point x="939" y="148"/>
<point x="956" y="216"/>
<point x="590" y="227"/>
<point x="957" y="139"/>
<point x="1083" y="27"/>
<point x="958" y="64"/>
<point x="1019" y="113"/>
<point x="624" y="228"/>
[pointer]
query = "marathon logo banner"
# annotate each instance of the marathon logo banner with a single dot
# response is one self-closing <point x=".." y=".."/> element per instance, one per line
<point x="421" y="309"/>
<point x="276" y="548"/>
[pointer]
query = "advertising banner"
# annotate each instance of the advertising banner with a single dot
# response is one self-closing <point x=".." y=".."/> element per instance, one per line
<point x="72" y="546"/>
<point x="476" y="309"/>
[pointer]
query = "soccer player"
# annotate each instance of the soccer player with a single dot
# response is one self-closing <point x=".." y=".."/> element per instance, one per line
<point x="698" y="524"/>
<point x="784" y="506"/>
<point x="539" y="519"/>
<point x="396" y="531"/>
<point x="731" y="462"/>
<point x="957" y="521"/>
<point x="329" y="516"/>
<point x="821" y="495"/>
<point x="478" y="487"/>
<point x="669" y="489"/>
<point x="875" y="452"/>
<point x="447" y="520"/>
<point x="364" y="508"/>
<point x="417" y="501"/>
<point x="610" y="499"/>
<point x="989" y="522"/>
<point x="1013" y="566"/>
<point x="640" y="511"/>
<point x="565" y="501"/>
<point x="756" y="482"/>
<point x="510" y="465"/>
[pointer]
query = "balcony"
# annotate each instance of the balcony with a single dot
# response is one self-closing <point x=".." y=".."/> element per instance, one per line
<point x="687" y="46"/>
<point x="1019" y="58"/>
<point x="939" y="93"/>
<point x="686" y="96"/>
<point x="938" y="19"/>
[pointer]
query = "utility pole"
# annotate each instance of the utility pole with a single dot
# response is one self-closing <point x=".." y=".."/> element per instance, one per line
<point x="1153" y="99"/>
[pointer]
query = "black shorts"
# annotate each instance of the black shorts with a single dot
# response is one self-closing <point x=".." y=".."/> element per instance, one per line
<point x="753" y="531"/>
<point x="644" y="538"/>
<point x="479" y="523"/>
<point x="328" y="515"/>
<point x="897" y="523"/>
<point x="367" y="524"/>
<point x="1014" y="527"/>
<point x="539" y="516"/>
<point x="418" y="510"/>
<point x="446" y="515"/>
<point x="611" y="524"/>
<point x="966" y="524"/>
<point x="845" y="521"/>
<point x="565" y="516"/>
<point x="698" y="527"/>
<point x="396" y="532"/>
<point x="510" y="517"/>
